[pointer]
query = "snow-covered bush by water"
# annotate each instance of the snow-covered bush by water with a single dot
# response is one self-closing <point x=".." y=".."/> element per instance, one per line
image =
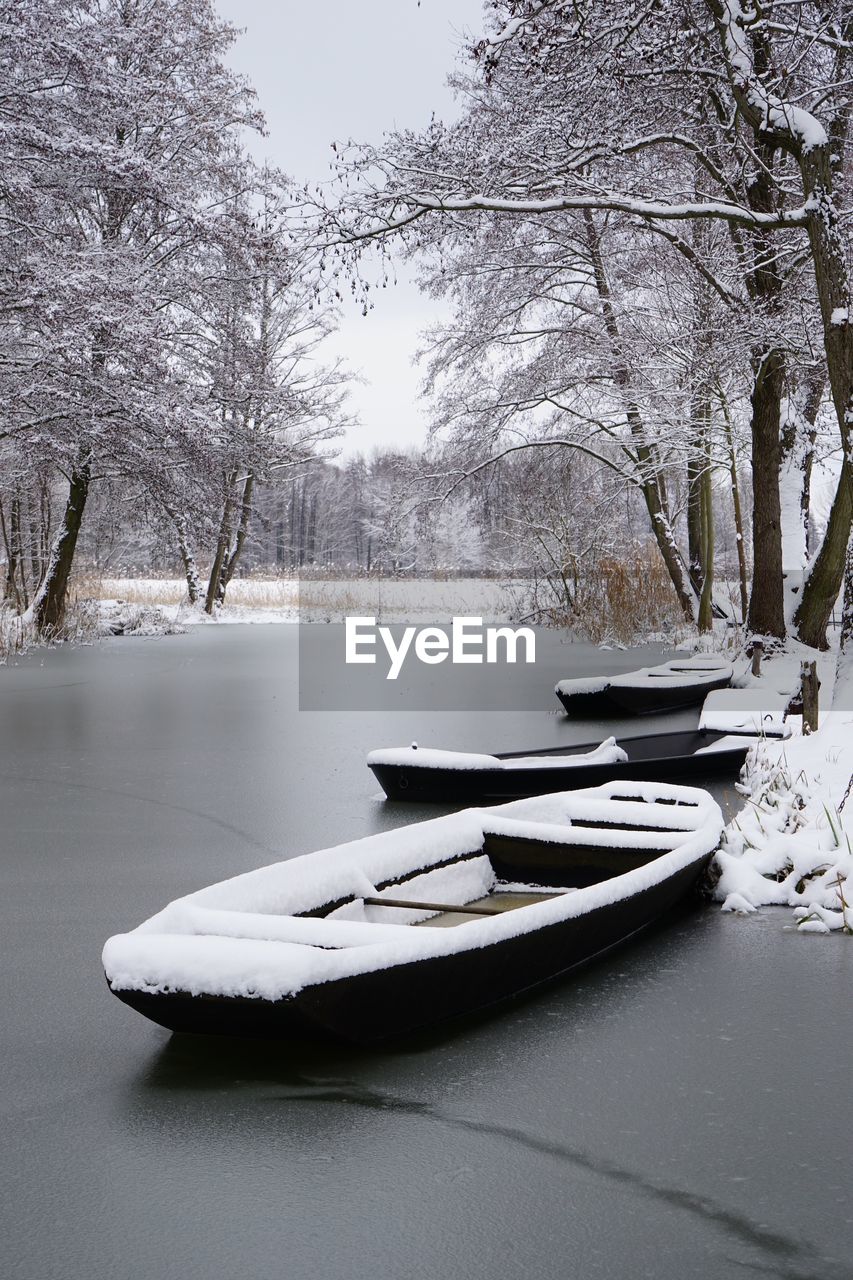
<point x="791" y="843"/>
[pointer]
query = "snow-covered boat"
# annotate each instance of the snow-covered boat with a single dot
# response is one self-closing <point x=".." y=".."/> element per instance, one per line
<point x="399" y="930"/>
<point x="425" y="774"/>
<point x="684" y="682"/>
<point x="586" y="696"/>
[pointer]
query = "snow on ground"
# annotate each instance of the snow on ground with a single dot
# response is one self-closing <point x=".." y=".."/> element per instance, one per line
<point x="791" y="843"/>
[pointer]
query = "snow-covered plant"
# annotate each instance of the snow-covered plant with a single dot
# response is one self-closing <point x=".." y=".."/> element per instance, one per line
<point x="787" y="847"/>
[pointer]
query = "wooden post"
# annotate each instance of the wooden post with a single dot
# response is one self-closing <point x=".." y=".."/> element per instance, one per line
<point x="757" y="655"/>
<point x="810" y="686"/>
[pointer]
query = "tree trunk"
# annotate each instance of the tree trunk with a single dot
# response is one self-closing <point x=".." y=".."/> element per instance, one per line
<point x="825" y="576"/>
<point x="813" y="397"/>
<point x="809" y="685"/>
<point x="847" y="608"/>
<point x="766" y="616"/>
<point x="650" y="474"/>
<point x="766" y="613"/>
<point x="17" y="543"/>
<point x="707" y="516"/>
<point x="187" y="557"/>
<point x="221" y="550"/>
<point x="743" y="579"/>
<point x="665" y="539"/>
<point x="695" y="557"/>
<point x="844" y="671"/>
<point x="35" y="545"/>
<point x="236" y="552"/>
<point x="48" y="610"/>
<point x="826" y="572"/>
<point x="10" y="591"/>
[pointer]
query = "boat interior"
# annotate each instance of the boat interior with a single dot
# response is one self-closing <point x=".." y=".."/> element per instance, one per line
<point x="503" y="898"/>
<point x="650" y="746"/>
<point x="524" y="866"/>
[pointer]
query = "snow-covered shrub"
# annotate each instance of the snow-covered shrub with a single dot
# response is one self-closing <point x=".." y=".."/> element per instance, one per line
<point x="788" y="846"/>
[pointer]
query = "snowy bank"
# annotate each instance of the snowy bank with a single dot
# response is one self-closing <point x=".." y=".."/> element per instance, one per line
<point x="791" y="844"/>
<point x="120" y="618"/>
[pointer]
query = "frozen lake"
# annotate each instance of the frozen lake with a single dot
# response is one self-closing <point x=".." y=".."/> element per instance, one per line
<point x="681" y="1109"/>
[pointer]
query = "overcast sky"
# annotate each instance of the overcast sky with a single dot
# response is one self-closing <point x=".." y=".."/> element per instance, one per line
<point x="337" y="70"/>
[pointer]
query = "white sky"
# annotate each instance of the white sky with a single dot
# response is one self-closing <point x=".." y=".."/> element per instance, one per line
<point x="339" y="70"/>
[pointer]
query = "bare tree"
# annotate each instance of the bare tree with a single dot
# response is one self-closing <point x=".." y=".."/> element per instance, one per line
<point x="580" y="111"/>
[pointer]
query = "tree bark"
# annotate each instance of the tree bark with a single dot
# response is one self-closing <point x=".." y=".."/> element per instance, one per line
<point x="826" y="574"/>
<point x="694" y="523"/>
<point x="766" y="615"/>
<point x="809" y="693"/>
<point x="707" y="545"/>
<point x="649" y="482"/>
<point x="9" y="588"/>
<point x="798" y="440"/>
<point x="222" y="542"/>
<point x="236" y="551"/>
<point x="187" y="557"/>
<point x="844" y="672"/>
<point x="48" y="610"/>
<point x="17" y="544"/>
<point x="35" y="545"/>
<point x="743" y="577"/>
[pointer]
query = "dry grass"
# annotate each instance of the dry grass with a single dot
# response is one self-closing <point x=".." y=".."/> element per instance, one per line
<point x="17" y="636"/>
<point x="638" y="598"/>
<point x="319" y="599"/>
<point x="248" y="593"/>
<point x="621" y="601"/>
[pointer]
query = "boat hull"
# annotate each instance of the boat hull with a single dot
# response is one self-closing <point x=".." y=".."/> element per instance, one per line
<point x="396" y="1001"/>
<point x="649" y="691"/>
<point x="666" y="757"/>
<point x="588" y="704"/>
<point x="645" y="699"/>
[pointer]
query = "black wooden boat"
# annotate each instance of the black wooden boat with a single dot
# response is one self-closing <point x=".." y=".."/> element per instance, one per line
<point x="400" y="930"/>
<point x="684" y="682"/>
<point x="448" y="777"/>
<point x="587" y="696"/>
